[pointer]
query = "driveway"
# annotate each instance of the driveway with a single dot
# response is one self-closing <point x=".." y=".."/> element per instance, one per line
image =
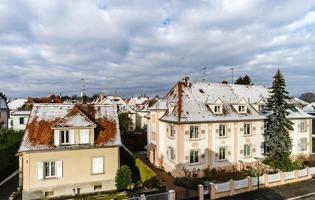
<point x="290" y="192"/>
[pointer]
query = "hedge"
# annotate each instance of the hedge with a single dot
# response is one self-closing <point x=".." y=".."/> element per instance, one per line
<point x="146" y="174"/>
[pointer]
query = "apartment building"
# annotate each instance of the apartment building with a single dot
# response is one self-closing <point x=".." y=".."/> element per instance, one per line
<point x="209" y="125"/>
<point x="68" y="150"/>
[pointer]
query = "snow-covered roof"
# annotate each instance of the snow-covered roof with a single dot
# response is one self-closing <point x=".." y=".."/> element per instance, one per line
<point x="192" y="102"/>
<point x="21" y="112"/>
<point x="310" y="108"/>
<point x="16" y="103"/>
<point x="39" y="134"/>
<point x="121" y="105"/>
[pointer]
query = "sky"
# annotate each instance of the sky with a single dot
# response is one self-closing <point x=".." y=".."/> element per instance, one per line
<point x="144" y="47"/>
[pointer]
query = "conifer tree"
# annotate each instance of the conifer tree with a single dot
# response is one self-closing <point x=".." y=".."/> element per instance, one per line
<point x="277" y="136"/>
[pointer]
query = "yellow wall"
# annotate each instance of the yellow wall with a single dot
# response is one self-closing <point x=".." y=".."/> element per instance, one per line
<point x="77" y="170"/>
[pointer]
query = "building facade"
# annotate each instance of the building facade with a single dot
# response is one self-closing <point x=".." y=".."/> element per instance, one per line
<point x="69" y="150"/>
<point x="18" y="119"/>
<point x="199" y="126"/>
<point x="4" y="113"/>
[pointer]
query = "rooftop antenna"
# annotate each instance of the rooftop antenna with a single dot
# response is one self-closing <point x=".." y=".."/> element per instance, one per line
<point x="83" y="89"/>
<point x="203" y="74"/>
<point x="232" y="70"/>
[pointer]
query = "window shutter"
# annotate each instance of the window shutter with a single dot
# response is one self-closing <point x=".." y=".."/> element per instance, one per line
<point x="40" y="170"/>
<point x="71" y="136"/>
<point x="59" y="168"/>
<point x="84" y="136"/>
<point x="56" y="137"/>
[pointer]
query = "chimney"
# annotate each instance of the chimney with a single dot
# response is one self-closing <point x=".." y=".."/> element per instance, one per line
<point x="225" y="82"/>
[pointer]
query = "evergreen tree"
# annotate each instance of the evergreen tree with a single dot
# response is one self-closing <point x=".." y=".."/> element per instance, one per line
<point x="246" y="80"/>
<point x="277" y="136"/>
<point x="123" y="177"/>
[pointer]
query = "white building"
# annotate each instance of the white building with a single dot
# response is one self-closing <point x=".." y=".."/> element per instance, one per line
<point x="18" y="119"/>
<point x="209" y="125"/>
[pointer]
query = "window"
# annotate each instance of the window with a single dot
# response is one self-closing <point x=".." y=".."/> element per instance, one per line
<point x="97" y="165"/>
<point x="247" y="149"/>
<point x="171" y="154"/>
<point x="49" y="193"/>
<point x="217" y="109"/>
<point x="222" y="130"/>
<point x="84" y="136"/>
<point x="21" y="120"/>
<point x="222" y="155"/>
<point x="241" y="109"/>
<point x="64" y="137"/>
<point x="303" y="144"/>
<point x="263" y="148"/>
<point x="302" y="126"/>
<point x="97" y="187"/>
<point x="194" y="156"/>
<point x="261" y="107"/>
<point x="49" y="169"/>
<point x="247" y="129"/>
<point x="172" y="130"/>
<point x="194" y="132"/>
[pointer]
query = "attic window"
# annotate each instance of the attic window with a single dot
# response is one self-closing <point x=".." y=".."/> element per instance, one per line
<point x="201" y="91"/>
<point x="261" y="107"/>
<point x="241" y="108"/>
<point x="217" y="109"/>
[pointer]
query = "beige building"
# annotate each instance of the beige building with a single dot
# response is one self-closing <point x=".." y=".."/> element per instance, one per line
<point x="69" y="150"/>
<point x="199" y="126"/>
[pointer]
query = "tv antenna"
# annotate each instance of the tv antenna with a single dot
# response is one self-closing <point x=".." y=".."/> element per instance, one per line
<point x="83" y="88"/>
<point x="232" y="70"/>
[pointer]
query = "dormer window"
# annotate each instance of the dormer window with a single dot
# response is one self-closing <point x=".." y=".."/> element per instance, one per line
<point x="261" y="107"/>
<point x="64" y="137"/>
<point x="242" y="109"/>
<point x="217" y="109"/>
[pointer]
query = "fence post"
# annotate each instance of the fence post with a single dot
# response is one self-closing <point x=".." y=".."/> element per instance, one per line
<point x="201" y="193"/>
<point x="231" y="187"/>
<point x="308" y="169"/>
<point x="250" y="183"/>
<point x="296" y="175"/>
<point x="212" y="191"/>
<point x="171" y="195"/>
<point x="142" y="197"/>
<point x="266" y="180"/>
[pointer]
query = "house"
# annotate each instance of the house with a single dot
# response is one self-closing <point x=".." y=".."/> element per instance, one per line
<point x="310" y="109"/>
<point x="198" y="126"/>
<point x="51" y="98"/>
<point x="121" y="106"/>
<point x="4" y="113"/>
<point x="142" y="113"/>
<point x="69" y="150"/>
<point x="133" y="102"/>
<point x="18" y="119"/>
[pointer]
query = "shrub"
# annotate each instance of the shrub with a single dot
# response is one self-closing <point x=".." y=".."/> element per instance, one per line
<point x="123" y="177"/>
<point x="147" y="176"/>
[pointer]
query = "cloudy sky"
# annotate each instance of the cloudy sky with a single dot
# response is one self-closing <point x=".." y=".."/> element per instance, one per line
<point x="144" y="46"/>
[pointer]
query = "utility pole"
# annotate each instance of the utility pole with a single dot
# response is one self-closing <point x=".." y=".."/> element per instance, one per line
<point x="232" y="69"/>
<point x="83" y="89"/>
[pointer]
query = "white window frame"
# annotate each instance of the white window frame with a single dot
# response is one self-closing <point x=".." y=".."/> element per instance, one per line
<point x="63" y="136"/>
<point x="217" y="109"/>
<point x="243" y="110"/>
<point x="303" y="147"/>
<point x="222" y="153"/>
<point x="194" y="132"/>
<point x="50" y="169"/>
<point x="222" y="130"/>
<point x="302" y="126"/>
<point x="84" y="136"/>
<point x="194" y="157"/>
<point x="23" y="120"/>
<point x="172" y="130"/>
<point x="261" y="107"/>
<point x="249" y="153"/>
<point x="97" y="165"/>
<point x="247" y="129"/>
<point x="171" y="154"/>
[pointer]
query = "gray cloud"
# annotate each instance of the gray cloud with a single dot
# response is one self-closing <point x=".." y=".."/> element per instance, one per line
<point x="142" y="46"/>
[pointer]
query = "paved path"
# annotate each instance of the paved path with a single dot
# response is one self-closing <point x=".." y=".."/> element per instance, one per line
<point x="290" y="191"/>
<point x="168" y="180"/>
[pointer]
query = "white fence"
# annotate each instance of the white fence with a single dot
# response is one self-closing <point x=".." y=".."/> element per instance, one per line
<point x="267" y="180"/>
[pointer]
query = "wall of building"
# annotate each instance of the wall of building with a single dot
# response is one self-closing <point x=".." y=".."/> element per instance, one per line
<point x="77" y="172"/>
<point x="4" y="115"/>
<point x="14" y="122"/>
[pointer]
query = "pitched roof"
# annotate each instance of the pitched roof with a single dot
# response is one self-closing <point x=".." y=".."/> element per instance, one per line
<point x="192" y="99"/>
<point x="39" y="134"/>
<point x="3" y="104"/>
<point x="75" y="118"/>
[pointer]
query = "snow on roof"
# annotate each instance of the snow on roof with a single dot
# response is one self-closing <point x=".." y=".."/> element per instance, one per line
<point x="21" y="112"/>
<point x="310" y="108"/>
<point x="191" y="102"/>
<point x="16" y="103"/>
<point x="39" y="134"/>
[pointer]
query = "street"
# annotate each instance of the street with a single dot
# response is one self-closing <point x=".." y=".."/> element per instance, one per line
<point x="290" y="192"/>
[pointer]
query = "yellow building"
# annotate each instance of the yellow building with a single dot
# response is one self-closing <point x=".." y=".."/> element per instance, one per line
<point x="69" y="150"/>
